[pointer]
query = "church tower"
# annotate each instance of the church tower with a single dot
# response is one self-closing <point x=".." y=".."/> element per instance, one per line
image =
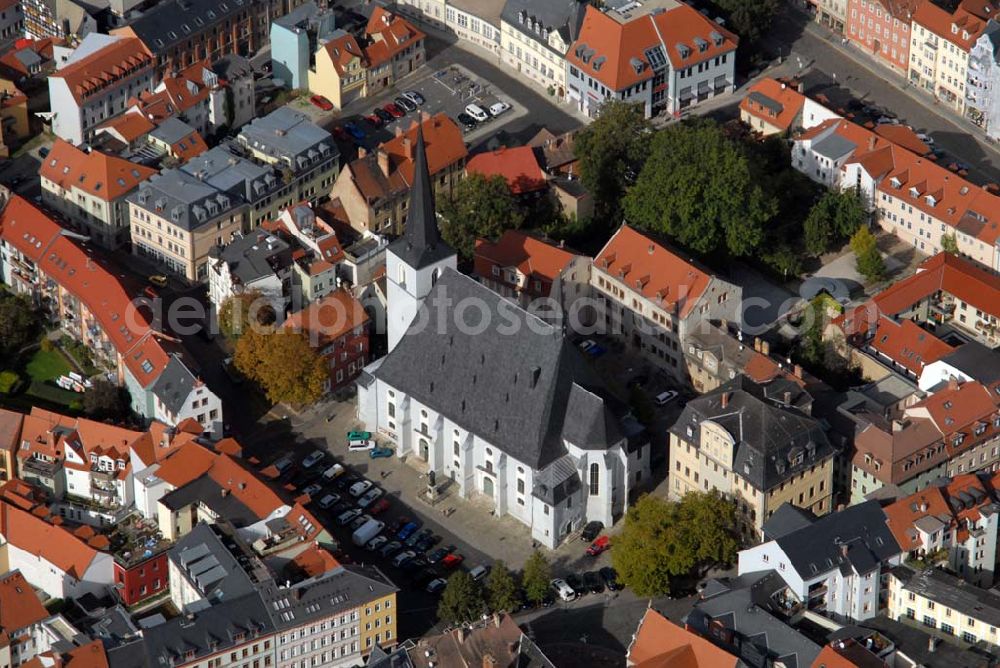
<point x="415" y="260"/>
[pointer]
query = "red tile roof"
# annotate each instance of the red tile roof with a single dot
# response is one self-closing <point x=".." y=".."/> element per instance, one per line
<point x="903" y="136"/>
<point x="105" y="177"/>
<point x="19" y="604"/>
<point x="611" y="48"/>
<point x="962" y="28"/>
<point x="957" y="408"/>
<point x="35" y="536"/>
<point x="130" y="126"/>
<point x="908" y="344"/>
<point x="659" y="643"/>
<point x="518" y="166"/>
<point x="656" y="272"/>
<point x="787" y="97"/>
<point x="941" y="502"/>
<point x="390" y="35"/>
<point x="344" y="49"/>
<point x="533" y="257"/>
<point x="442" y="140"/>
<point x="329" y="318"/>
<point x="97" y="70"/>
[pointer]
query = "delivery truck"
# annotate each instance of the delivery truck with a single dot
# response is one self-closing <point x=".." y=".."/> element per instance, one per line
<point x="367" y="531"/>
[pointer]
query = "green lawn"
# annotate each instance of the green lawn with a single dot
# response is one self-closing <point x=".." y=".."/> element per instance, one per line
<point x="45" y="366"/>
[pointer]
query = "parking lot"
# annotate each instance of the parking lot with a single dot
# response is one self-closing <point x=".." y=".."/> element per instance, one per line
<point x="478" y="536"/>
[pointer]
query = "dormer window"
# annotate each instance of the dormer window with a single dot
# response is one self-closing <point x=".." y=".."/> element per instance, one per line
<point x="914" y="192"/>
<point x="930" y="200"/>
<point x="716" y="38"/>
<point x="896" y="183"/>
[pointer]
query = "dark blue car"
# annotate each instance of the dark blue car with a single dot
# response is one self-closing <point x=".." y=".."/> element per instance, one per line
<point x="354" y="131"/>
<point x="407" y="531"/>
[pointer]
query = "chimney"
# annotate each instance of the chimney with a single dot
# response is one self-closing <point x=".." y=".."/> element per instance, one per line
<point x="724" y="325"/>
<point x="362" y="152"/>
<point x="383" y="162"/>
<point x="932" y="644"/>
<point x="756" y="343"/>
<point x="788" y="399"/>
<point x="953" y="383"/>
<point x="871" y="143"/>
<point x="843" y="550"/>
<point x="765" y="348"/>
<point x="489" y="661"/>
<point x="225" y="492"/>
<point x="408" y="148"/>
<point x="801" y="87"/>
<point x="897" y="425"/>
<point x="496" y="619"/>
<point x="725" y="399"/>
<point x="797" y="371"/>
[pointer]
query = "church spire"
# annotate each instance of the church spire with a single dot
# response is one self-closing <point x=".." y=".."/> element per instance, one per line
<point x="421" y="243"/>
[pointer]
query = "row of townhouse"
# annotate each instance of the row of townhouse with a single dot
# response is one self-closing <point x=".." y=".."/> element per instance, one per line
<point x="309" y="52"/>
<point x="40" y="259"/>
<point x="662" y="54"/>
<point x="179" y="216"/>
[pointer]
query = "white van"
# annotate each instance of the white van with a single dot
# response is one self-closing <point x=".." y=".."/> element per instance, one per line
<point x="357" y="446"/>
<point x="565" y="592"/>
<point x="477" y="112"/>
<point x="367" y="531"/>
<point x="479" y="572"/>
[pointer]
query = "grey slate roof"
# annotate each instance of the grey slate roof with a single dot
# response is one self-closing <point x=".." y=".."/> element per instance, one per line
<point x="976" y="360"/>
<point x="862" y="528"/>
<point x="162" y="26"/>
<point x="769" y="437"/>
<point x="289" y="135"/>
<point x="766" y="102"/>
<point x="563" y="16"/>
<point x="742" y="604"/>
<point x="203" y="558"/>
<point x="171" y="131"/>
<point x="834" y="146"/>
<point x="953" y="592"/>
<point x="558" y="480"/>
<point x="232" y="66"/>
<point x="512" y="386"/>
<point x="234" y="175"/>
<point x="786" y="519"/>
<point x="421" y="244"/>
<point x="182" y="199"/>
<point x="207" y="491"/>
<point x="914" y="643"/>
<point x="174" y="385"/>
<point x="254" y="256"/>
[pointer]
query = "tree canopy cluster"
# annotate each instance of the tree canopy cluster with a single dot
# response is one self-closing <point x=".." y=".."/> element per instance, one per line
<point x="20" y="324"/>
<point x="282" y="363"/>
<point x="869" y="260"/>
<point x="243" y="311"/>
<point x="664" y="539"/>
<point x="464" y="599"/>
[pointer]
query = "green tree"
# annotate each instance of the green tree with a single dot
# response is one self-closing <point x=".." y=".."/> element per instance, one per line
<point x="697" y="187"/>
<point x="19" y="325"/>
<point x="835" y="216"/>
<point x="750" y="19"/>
<point x="480" y="207"/>
<point x="783" y="260"/>
<point x="537" y="577"/>
<point x="611" y="152"/>
<point x="104" y="401"/>
<point x="949" y="243"/>
<point x="663" y="539"/>
<point x="283" y="363"/>
<point x="501" y="589"/>
<point x="244" y="310"/>
<point x="461" y="600"/>
<point x="866" y="255"/>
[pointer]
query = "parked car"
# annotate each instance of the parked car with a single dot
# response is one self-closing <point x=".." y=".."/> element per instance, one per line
<point x="602" y="544"/>
<point x="467" y="122"/>
<point x="158" y="280"/>
<point x="407" y="532"/>
<point x="427" y="542"/>
<point x="452" y="561"/>
<point x="417" y="537"/>
<point x="399" y="524"/>
<point x="436" y="585"/>
<point x="563" y="589"/>
<point x="925" y="138"/>
<point x="358" y="446"/>
<point x="479" y="572"/>
<point x="375" y="543"/>
<point x="360" y="487"/>
<point x="390" y="548"/>
<point x="404" y="103"/>
<point x="283" y="464"/>
<point x="321" y="102"/>
<point x="369" y="497"/>
<point x="345" y="482"/>
<point x="498" y="108"/>
<point x="379" y="507"/>
<point x="575" y="583"/>
<point x="367" y="531"/>
<point x="477" y="112"/>
<point x="440" y="553"/>
<point x="354" y="131"/>
<point x="395" y="111"/>
<point x="610" y="578"/>
<point x="383" y="114"/>
<point x="347" y="517"/>
<point x="414" y="565"/>
<point x="376" y="453"/>
<point x="312" y="459"/>
<point x="374" y="121"/>
<point x="403" y="557"/>
<point x="664" y="398"/>
<point x="329" y="500"/>
<point x="414" y="97"/>
<point x="591" y="531"/>
<point x="359" y="522"/>
<point x="333" y="472"/>
<point x="593" y="582"/>
<point x="339" y="133"/>
<point x="313" y="489"/>
<point x="587" y="345"/>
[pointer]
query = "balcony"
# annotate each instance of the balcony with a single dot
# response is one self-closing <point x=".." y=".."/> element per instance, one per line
<point x="103" y="475"/>
<point x="41" y="467"/>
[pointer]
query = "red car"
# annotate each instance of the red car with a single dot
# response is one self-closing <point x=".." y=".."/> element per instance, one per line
<point x="340" y="133"/>
<point x="394" y="110"/>
<point x="452" y="561"/>
<point x="379" y="507"/>
<point x="602" y="544"/>
<point x="374" y="121"/>
<point x="321" y="102"/>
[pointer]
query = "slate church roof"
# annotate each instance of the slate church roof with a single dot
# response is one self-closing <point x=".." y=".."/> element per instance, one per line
<point x="522" y="388"/>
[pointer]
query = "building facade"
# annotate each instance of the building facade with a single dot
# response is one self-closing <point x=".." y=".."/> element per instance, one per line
<point x="337" y="326"/>
<point x="983" y="91"/>
<point x="535" y="36"/>
<point x="940" y="43"/>
<point x="882" y="29"/>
